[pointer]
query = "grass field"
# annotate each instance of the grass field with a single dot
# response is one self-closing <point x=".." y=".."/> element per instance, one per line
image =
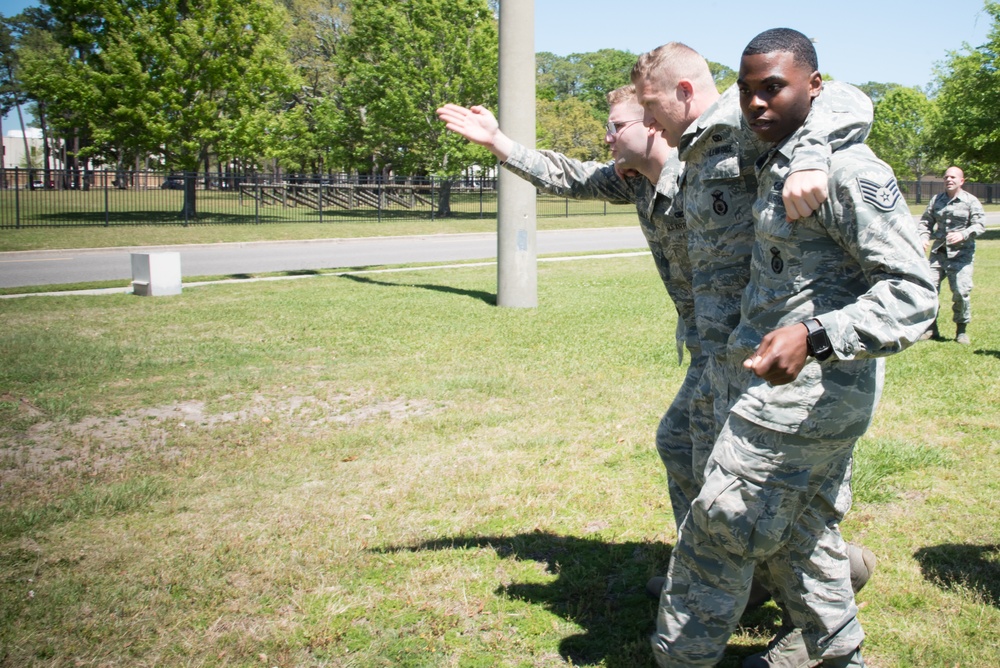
<point x="388" y="470"/>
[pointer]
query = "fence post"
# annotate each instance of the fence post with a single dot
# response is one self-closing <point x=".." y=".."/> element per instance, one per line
<point x="107" y="215"/>
<point x="480" y="193"/>
<point x="320" y="199"/>
<point x="918" y="191"/>
<point x="432" y="198"/>
<point x="17" y="198"/>
<point x="256" y="200"/>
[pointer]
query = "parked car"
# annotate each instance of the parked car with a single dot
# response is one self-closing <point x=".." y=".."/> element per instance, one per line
<point x="173" y="183"/>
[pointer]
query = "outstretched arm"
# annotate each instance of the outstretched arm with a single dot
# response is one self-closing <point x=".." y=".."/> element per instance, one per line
<point x="478" y="125"/>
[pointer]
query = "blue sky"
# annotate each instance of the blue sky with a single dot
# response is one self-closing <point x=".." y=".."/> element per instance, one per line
<point x="858" y="41"/>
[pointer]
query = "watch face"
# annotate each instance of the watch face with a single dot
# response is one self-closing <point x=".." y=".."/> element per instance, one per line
<point x="820" y="344"/>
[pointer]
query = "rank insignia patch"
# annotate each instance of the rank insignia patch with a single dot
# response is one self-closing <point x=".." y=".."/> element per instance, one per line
<point x="881" y="196"/>
<point x="719" y="205"/>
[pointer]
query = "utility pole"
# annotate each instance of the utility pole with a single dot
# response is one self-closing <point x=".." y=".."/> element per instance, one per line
<point x="517" y="258"/>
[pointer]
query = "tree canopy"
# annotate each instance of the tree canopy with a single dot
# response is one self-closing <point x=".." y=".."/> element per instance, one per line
<point x="968" y="100"/>
<point x="345" y="85"/>
<point x="400" y="62"/>
<point x="901" y="131"/>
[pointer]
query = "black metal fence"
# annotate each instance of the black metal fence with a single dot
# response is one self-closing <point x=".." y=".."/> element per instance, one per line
<point x="921" y="192"/>
<point x="109" y="197"/>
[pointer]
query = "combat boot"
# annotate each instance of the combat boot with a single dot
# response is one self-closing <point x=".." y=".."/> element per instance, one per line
<point x="852" y="660"/>
<point x="960" y="335"/>
<point x="787" y="650"/>
<point x="931" y="333"/>
<point x="862" y="562"/>
<point x="655" y="586"/>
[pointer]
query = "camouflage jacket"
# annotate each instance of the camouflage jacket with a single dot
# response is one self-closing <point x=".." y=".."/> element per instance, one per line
<point x="963" y="213"/>
<point x="660" y="217"/>
<point x="857" y="265"/>
<point x="719" y="186"/>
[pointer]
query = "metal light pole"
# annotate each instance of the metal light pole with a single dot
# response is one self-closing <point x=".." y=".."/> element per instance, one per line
<point x="517" y="260"/>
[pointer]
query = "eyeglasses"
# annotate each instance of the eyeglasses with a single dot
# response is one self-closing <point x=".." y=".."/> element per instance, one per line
<point x="614" y="127"/>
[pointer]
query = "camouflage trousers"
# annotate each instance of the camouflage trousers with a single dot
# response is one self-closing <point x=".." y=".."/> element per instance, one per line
<point x="688" y="420"/>
<point x="768" y="498"/>
<point x="686" y="434"/>
<point x="959" y="273"/>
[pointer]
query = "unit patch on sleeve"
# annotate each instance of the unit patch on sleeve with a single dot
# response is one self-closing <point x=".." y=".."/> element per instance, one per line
<point x="881" y="196"/>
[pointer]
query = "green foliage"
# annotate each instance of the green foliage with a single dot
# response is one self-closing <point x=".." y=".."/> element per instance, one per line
<point x="900" y="131"/>
<point x="967" y="132"/>
<point x="174" y="77"/>
<point x="314" y="31"/>
<point x="400" y="62"/>
<point x="569" y="127"/>
<point x="724" y="76"/>
<point x="607" y="70"/>
<point x="875" y="90"/>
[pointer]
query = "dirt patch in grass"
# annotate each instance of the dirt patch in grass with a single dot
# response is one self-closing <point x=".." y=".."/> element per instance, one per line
<point x="101" y="445"/>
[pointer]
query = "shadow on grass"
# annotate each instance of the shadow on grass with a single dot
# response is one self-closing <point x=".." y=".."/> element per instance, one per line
<point x="971" y="567"/>
<point x="600" y="587"/>
<point x="988" y="353"/>
<point x="487" y="297"/>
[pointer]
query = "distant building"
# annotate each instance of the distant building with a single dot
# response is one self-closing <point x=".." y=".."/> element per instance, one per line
<point x="13" y="150"/>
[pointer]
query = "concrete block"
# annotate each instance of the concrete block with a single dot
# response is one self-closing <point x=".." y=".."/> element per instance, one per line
<point x="156" y="274"/>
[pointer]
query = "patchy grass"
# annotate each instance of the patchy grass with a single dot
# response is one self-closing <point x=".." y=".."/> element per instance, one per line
<point x="358" y="471"/>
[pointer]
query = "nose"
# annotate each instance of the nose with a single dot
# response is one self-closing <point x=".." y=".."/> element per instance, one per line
<point x="756" y="102"/>
<point x="648" y="120"/>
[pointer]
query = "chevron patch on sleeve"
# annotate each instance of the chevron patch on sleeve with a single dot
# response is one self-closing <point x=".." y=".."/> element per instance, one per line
<point x="881" y="196"/>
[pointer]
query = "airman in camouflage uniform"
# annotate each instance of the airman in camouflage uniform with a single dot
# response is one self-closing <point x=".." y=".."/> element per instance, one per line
<point x="949" y="228"/>
<point x="662" y="223"/>
<point x="777" y="480"/>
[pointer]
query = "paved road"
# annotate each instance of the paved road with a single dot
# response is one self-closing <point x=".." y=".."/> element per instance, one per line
<point x="29" y="268"/>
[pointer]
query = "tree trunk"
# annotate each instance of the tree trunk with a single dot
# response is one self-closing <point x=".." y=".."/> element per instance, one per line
<point x="444" y="199"/>
<point x="27" y="151"/>
<point x="46" y="151"/>
<point x="190" y="181"/>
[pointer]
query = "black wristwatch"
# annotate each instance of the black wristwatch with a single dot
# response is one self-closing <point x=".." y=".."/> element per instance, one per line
<point x="817" y="342"/>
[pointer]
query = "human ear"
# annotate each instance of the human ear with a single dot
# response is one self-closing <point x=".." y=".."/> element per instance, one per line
<point x="815" y="84"/>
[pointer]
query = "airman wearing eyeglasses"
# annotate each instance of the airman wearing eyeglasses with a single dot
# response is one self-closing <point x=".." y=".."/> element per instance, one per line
<point x="644" y="172"/>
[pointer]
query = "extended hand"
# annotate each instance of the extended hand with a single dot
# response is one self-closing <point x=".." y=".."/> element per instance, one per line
<point x="781" y="355"/>
<point x="477" y="124"/>
<point x="804" y="191"/>
<point x="954" y="238"/>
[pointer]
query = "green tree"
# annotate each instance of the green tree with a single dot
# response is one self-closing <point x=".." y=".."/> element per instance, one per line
<point x="875" y="90"/>
<point x="558" y="77"/>
<point x="173" y="77"/>
<point x="401" y="60"/>
<point x="607" y="70"/>
<point x="724" y="76"/>
<point x="967" y="131"/>
<point x="569" y="127"/>
<point x="315" y="29"/>
<point x="900" y="132"/>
